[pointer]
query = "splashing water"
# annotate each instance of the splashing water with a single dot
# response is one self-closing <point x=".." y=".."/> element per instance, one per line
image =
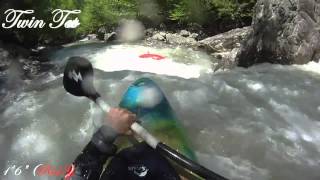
<point x="257" y="123"/>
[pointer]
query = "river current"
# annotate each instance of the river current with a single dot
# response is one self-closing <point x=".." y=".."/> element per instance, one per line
<point x="260" y="123"/>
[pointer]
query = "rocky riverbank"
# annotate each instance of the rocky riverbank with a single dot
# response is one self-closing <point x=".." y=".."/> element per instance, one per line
<point x="223" y="47"/>
<point x="284" y="32"/>
<point x="19" y="65"/>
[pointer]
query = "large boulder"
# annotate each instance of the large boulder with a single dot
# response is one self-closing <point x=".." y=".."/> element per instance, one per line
<point x="225" y="46"/>
<point x="180" y="40"/>
<point x="225" y="42"/>
<point x="284" y="32"/>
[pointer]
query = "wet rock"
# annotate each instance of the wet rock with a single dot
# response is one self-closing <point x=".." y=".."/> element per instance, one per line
<point x="101" y="33"/>
<point x="17" y="65"/>
<point x="284" y="32"/>
<point x="149" y="31"/>
<point x="174" y="38"/>
<point x="42" y="53"/>
<point x="110" y="36"/>
<point x="163" y="33"/>
<point x="225" y="46"/>
<point x="226" y="60"/>
<point x="159" y="37"/>
<point x="225" y="41"/>
<point x="180" y="40"/>
<point x="194" y="35"/>
<point x="90" y="37"/>
<point x="184" y="33"/>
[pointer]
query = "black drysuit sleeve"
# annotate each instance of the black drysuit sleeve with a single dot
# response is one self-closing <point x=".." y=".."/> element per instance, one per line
<point x="89" y="164"/>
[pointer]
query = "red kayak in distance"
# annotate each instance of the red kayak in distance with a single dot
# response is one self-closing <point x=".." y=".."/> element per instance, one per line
<point x="152" y="56"/>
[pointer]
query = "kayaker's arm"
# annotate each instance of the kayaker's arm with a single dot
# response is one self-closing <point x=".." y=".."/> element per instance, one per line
<point x="89" y="164"/>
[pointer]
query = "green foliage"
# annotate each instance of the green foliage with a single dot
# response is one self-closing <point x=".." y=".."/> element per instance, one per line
<point x="97" y="13"/>
<point x="180" y="12"/>
<point x="107" y="13"/>
<point x="94" y="14"/>
<point x="207" y="11"/>
<point x="225" y="8"/>
<point x="189" y="11"/>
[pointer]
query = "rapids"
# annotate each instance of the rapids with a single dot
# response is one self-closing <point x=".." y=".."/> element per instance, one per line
<point x="260" y="123"/>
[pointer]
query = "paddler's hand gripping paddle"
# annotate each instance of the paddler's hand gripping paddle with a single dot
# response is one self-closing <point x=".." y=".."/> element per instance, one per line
<point x="78" y="80"/>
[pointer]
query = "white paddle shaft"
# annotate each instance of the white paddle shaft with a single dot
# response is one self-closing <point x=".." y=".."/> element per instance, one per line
<point x="103" y="105"/>
<point x="135" y="127"/>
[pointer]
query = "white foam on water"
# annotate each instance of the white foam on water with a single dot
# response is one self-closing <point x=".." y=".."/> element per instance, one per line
<point x="255" y="86"/>
<point x="310" y="67"/>
<point x="240" y="169"/>
<point x="124" y="57"/>
<point x="266" y="115"/>
<point x="52" y="77"/>
<point x="25" y="102"/>
<point x="32" y="144"/>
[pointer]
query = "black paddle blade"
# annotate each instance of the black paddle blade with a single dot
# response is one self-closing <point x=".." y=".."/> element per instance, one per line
<point x="78" y="78"/>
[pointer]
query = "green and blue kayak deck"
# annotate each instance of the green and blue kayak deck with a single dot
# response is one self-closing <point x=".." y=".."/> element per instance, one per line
<point x="148" y="102"/>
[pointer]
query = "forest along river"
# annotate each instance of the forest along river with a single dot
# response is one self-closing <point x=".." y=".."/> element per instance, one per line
<point x="260" y="123"/>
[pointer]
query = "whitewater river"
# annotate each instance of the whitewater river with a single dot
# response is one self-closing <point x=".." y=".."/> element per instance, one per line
<point x="260" y="123"/>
